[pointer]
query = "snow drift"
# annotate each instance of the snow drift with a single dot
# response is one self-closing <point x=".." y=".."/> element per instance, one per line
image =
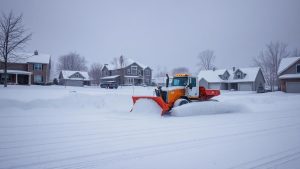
<point x="146" y="107"/>
<point x="205" y="108"/>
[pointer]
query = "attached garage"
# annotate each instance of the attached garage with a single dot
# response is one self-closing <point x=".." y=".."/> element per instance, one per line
<point x="214" y="86"/>
<point x="245" y="86"/>
<point x="293" y="87"/>
<point x="74" y="83"/>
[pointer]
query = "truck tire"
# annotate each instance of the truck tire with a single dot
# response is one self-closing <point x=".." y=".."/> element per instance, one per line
<point x="180" y="102"/>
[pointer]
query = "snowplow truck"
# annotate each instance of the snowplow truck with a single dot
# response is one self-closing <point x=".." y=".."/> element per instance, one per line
<point x="182" y="90"/>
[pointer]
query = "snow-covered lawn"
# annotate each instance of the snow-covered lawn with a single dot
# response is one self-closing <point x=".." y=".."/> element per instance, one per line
<point x="73" y="127"/>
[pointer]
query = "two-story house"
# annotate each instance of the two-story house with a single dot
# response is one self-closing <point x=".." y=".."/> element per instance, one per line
<point x="289" y="75"/>
<point x="133" y="73"/>
<point x="29" y="68"/>
<point x="243" y="79"/>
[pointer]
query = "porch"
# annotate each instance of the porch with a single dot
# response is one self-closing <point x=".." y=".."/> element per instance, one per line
<point x="16" y="77"/>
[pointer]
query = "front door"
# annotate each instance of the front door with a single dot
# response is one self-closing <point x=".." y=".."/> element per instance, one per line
<point x="192" y="89"/>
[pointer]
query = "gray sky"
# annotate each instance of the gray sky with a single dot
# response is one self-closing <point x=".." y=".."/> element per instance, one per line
<point x="159" y="32"/>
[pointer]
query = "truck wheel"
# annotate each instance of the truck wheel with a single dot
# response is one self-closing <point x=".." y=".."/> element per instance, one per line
<point x="180" y="102"/>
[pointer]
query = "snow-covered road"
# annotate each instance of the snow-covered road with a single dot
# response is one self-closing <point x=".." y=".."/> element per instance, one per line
<point x="58" y="127"/>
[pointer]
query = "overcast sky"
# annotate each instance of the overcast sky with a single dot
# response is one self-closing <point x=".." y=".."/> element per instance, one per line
<point x="162" y="32"/>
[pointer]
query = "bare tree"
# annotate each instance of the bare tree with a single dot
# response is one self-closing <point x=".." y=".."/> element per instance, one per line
<point x="115" y="62"/>
<point x="122" y="61"/>
<point x="180" y="70"/>
<point x="13" y="37"/>
<point x="206" y="60"/>
<point x="269" y="59"/>
<point x="296" y="53"/>
<point x="161" y="72"/>
<point x="95" y="72"/>
<point x="71" y="61"/>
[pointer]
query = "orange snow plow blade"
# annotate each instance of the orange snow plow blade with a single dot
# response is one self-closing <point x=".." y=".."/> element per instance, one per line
<point x="165" y="107"/>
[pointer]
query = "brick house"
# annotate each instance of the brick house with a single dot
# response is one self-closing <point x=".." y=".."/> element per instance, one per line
<point x="289" y="75"/>
<point x="133" y="73"/>
<point x="30" y="68"/>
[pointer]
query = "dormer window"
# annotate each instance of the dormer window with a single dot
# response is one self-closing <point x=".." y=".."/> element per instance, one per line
<point x="239" y="75"/>
<point x="298" y="68"/>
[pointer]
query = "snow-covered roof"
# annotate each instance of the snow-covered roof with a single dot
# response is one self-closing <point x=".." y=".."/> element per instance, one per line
<point x="68" y="73"/>
<point x="290" y="76"/>
<point x="110" y="77"/>
<point x="31" y="58"/>
<point x="127" y="62"/>
<point x="133" y="76"/>
<point x="212" y="76"/>
<point x="285" y="63"/>
<point x="21" y="72"/>
<point x="131" y="61"/>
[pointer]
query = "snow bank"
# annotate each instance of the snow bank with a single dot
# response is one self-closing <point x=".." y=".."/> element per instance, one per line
<point x="146" y="107"/>
<point x="205" y="108"/>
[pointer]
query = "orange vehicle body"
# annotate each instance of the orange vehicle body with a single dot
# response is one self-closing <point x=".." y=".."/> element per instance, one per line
<point x="176" y="94"/>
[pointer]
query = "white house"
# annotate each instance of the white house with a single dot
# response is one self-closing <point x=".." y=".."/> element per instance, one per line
<point x="289" y="75"/>
<point x="243" y="79"/>
<point x="74" y="78"/>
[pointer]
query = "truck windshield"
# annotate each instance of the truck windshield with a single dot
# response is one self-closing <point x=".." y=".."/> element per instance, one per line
<point x="180" y="81"/>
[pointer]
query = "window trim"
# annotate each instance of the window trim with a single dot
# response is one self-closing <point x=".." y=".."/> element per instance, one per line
<point x="297" y="68"/>
<point x="135" y="70"/>
<point x="147" y="72"/>
<point x="35" y="81"/>
<point x="35" y="67"/>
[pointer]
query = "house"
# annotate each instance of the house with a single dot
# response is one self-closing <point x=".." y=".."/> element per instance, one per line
<point x="289" y="75"/>
<point x="133" y="73"/>
<point x="74" y="78"/>
<point x="242" y="79"/>
<point x="29" y="68"/>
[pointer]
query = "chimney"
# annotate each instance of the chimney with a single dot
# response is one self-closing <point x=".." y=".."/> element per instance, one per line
<point x="36" y="52"/>
<point x="233" y="68"/>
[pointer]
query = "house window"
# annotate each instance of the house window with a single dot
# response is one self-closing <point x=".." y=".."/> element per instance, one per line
<point x="147" y="72"/>
<point x="128" y="71"/>
<point x="37" y="66"/>
<point x="238" y="75"/>
<point x="77" y="76"/>
<point x="37" y="79"/>
<point x="140" y="73"/>
<point x="134" y="70"/>
<point x="298" y="68"/>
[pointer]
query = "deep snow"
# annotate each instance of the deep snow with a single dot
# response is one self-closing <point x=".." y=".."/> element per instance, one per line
<point x="73" y="127"/>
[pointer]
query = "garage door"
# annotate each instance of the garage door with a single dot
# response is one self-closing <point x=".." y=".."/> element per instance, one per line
<point x="293" y="87"/>
<point x="214" y="86"/>
<point x="245" y="86"/>
<point x="74" y="83"/>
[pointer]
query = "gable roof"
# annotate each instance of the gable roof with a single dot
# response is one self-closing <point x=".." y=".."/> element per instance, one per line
<point x="213" y="76"/>
<point x="66" y="74"/>
<point x="285" y="63"/>
<point x="128" y="61"/>
<point x="31" y="58"/>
